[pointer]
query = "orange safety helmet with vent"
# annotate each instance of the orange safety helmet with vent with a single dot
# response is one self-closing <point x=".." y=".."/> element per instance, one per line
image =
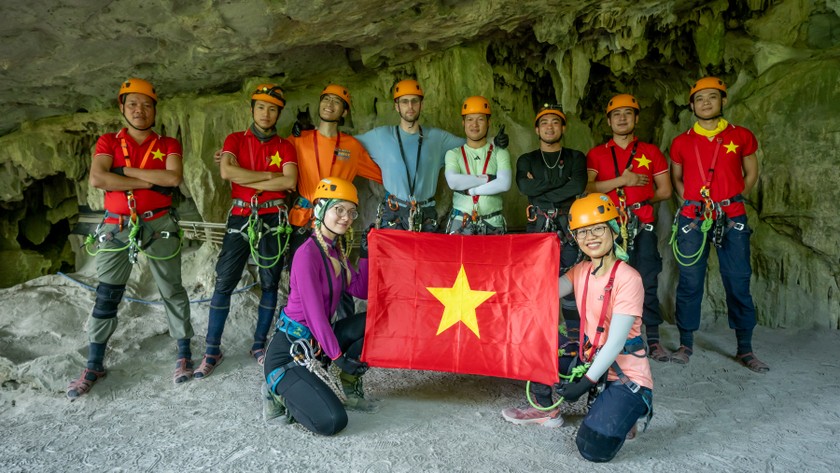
<point x="336" y="188"/>
<point x="407" y="87"/>
<point x="590" y="210"/>
<point x="338" y="90"/>
<point x="475" y="104"/>
<point x="549" y="109"/>
<point x="137" y="86"/>
<point x="622" y="100"/>
<point x="270" y="93"/>
<point x="707" y="83"/>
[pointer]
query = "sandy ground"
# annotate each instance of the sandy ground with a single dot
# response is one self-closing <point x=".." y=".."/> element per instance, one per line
<point x="711" y="415"/>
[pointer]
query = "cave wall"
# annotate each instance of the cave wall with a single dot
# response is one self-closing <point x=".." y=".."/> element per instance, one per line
<point x="781" y="61"/>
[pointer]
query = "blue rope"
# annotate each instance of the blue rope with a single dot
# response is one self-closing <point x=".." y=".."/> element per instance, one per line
<point x="141" y="301"/>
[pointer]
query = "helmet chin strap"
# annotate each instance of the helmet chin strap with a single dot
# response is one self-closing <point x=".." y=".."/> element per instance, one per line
<point x="128" y="122"/>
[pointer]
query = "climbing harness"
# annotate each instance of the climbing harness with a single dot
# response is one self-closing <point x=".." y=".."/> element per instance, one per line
<point x="551" y="224"/>
<point x="394" y="203"/>
<point x="629" y="225"/>
<point x="474" y="223"/>
<point x="255" y="229"/>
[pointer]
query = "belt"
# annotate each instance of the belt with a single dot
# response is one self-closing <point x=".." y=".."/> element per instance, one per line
<point x="389" y="198"/>
<point x="147" y="215"/>
<point x="458" y="213"/>
<point x="267" y="204"/>
<point x="723" y="203"/>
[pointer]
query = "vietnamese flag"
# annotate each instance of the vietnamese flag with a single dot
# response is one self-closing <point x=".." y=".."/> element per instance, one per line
<point x="486" y="305"/>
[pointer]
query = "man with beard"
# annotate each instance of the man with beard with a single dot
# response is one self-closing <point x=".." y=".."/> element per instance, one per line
<point x="410" y="158"/>
<point x="138" y="169"/>
<point x="714" y="165"/>
<point x="634" y="175"/>
<point x="326" y="152"/>
<point x="552" y="177"/>
<point x="262" y="168"/>
<point x="479" y="173"/>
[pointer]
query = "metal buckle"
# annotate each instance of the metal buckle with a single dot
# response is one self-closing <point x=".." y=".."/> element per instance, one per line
<point x="739" y="226"/>
<point x="147" y="214"/>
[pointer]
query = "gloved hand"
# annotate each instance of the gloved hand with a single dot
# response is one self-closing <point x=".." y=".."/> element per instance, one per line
<point x="162" y="189"/>
<point x="501" y="139"/>
<point x="490" y="177"/>
<point x="574" y="391"/>
<point x="363" y="245"/>
<point x="120" y="171"/>
<point x="351" y="366"/>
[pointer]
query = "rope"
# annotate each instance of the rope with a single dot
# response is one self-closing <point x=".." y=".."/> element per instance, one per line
<point x="577" y="373"/>
<point x="254" y="234"/>
<point x="141" y="301"/>
<point x="302" y="352"/>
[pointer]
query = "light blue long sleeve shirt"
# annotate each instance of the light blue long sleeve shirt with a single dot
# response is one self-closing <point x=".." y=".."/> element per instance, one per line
<point x="398" y="174"/>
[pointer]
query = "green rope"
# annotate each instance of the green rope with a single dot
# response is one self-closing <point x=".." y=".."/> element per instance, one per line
<point x="254" y="234"/>
<point x="694" y="258"/>
<point x="577" y="373"/>
<point x="134" y="229"/>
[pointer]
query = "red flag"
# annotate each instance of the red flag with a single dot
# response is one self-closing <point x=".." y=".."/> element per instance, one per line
<point x="486" y="305"/>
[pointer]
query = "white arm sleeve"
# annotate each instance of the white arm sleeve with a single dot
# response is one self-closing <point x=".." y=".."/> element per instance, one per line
<point x="460" y="182"/>
<point x="565" y="286"/>
<point x="616" y="337"/>
<point x="496" y="186"/>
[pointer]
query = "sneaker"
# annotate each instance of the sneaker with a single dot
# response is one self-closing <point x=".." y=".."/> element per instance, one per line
<point x="183" y="370"/>
<point x="81" y="386"/>
<point x="208" y="364"/>
<point x="659" y="353"/>
<point x="682" y="356"/>
<point x="531" y="415"/>
<point x="273" y="405"/>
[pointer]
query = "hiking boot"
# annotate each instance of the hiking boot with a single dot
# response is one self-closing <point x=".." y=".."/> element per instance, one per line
<point x="208" y="364"/>
<point x="659" y="353"/>
<point x="752" y="362"/>
<point x="183" y="370"/>
<point x="274" y="406"/>
<point x="81" y="386"/>
<point x="531" y="415"/>
<point x="681" y="356"/>
<point x="354" y="390"/>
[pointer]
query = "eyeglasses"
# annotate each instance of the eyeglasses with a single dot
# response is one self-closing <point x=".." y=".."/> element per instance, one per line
<point x="341" y="212"/>
<point x="594" y="231"/>
<point x="414" y="101"/>
<point x="332" y="100"/>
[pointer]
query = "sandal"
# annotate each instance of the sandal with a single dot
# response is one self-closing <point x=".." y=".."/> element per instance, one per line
<point x="208" y="364"/>
<point x="183" y="370"/>
<point x="681" y="356"/>
<point x="659" y="353"/>
<point x="752" y="362"/>
<point x="259" y="355"/>
<point x="85" y="382"/>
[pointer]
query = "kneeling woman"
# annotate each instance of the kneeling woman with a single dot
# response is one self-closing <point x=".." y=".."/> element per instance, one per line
<point x="610" y="296"/>
<point x="320" y="274"/>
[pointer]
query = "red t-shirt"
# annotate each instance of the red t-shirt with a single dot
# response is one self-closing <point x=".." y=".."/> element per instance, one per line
<point x="151" y="154"/>
<point x="647" y="160"/>
<point x="627" y="297"/>
<point x="254" y="155"/>
<point x="695" y="154"/>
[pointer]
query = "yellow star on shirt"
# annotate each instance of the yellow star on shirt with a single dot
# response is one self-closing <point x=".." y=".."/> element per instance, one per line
<point x="460" y="303"/>
<point x="157" y="154"/>
<point x="276" y="159"/>
<point x="731" y="147"/>
<point x="643" y="162"/>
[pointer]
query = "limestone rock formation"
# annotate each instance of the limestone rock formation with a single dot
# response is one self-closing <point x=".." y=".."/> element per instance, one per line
<point x="62" y="63"/>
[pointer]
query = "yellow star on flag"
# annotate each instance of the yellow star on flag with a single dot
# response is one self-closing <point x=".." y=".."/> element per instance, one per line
<point x="460" y="303"/>
<point x="643" y="162"/>
<point x="731" y="147"/>
<point x="157" y="154"/>
<point x="276" y="159"/>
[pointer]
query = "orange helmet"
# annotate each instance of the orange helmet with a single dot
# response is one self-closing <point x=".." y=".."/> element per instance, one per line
<point x="336" y="188"/>
<point x="137" y="86"/>
<point x="622" y="100"/>
<point x="550" y="109"/>
<point x="707" y="83"/>
<point x="270" y="93"/>
<point x="592" y="209"/>
<point x="338" y="90"/>
<point x="407" y="87"/>
<point x="475" y="104"/>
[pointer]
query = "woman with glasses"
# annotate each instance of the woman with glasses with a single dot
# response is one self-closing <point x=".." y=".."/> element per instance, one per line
<point x="320" y="275"/>
<point x="610" y="295"/>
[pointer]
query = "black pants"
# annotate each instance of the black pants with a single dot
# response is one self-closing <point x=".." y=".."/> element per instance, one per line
<point x="398" y="219"/>
<point x="308" y="399"/>
<point x="646" y="260"/>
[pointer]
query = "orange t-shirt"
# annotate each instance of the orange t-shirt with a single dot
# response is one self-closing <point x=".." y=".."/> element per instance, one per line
<point x="627" y="297"/>
<point x="321" y="156"/>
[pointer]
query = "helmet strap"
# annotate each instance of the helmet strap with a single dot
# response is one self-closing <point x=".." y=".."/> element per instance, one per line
<point x="263" y="135"/>
<point x="128" y="122"/>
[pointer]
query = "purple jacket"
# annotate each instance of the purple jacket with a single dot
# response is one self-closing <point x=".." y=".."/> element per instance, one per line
<point x="309" y="292"/>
